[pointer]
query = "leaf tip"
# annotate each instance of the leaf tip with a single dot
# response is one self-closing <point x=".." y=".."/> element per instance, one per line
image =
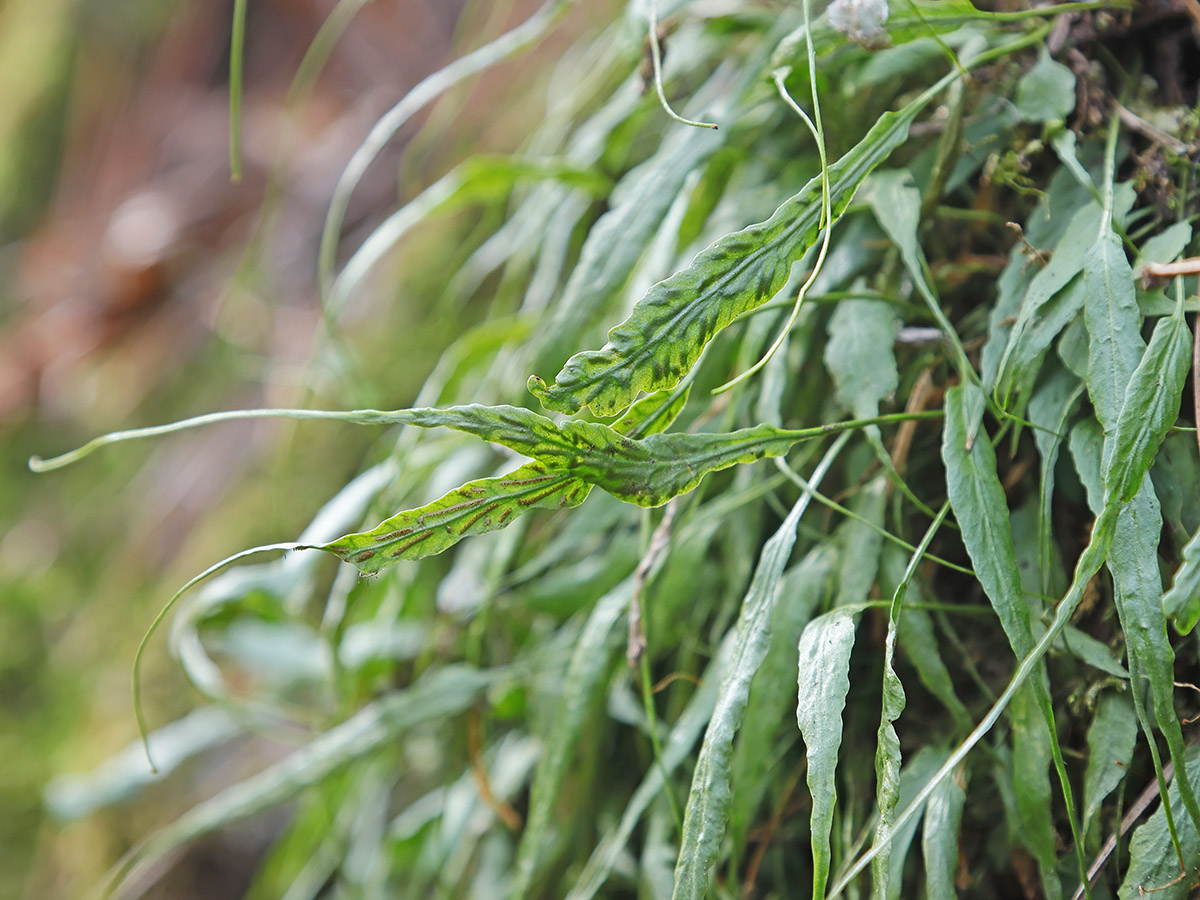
<point x="536" y="386"/>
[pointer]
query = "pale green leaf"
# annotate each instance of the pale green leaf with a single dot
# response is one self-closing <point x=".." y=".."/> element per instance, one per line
<point x="859" y="354"/>
<point x="1046" y="93"/>
<point x="824" y="682"/>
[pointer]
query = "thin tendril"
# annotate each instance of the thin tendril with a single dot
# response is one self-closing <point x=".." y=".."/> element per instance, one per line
<point x="138" y="713"/>
<point x="656" y="58"/>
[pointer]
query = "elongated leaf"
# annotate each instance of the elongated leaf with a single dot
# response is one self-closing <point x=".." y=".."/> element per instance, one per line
<point x="824" y="682"/>
<point x="803" y="588"/>
<point x="1111" y="738"/>
<point x="1150" y="406"/>
<point x="939" y="838"/>
<point x="860" y="544"/>
<point x="668" y="329"/>
<point x="887" y="744"/>
<point x="1137" y="591"/>
<point x="1049" y="409"/>
<point x="1114" y="330"/>
<point x="982" y="512"/>
<point x="708" y="802"/>
<point x="1031" y="787"/>
<point x="583" y="683"/>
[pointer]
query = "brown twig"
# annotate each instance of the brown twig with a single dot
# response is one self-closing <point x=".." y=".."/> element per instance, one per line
<point x="504" y="812"/>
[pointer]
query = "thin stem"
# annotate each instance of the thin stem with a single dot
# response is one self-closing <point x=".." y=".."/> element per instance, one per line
<point x="237" y="52"/>
<point x="656" y="59"/>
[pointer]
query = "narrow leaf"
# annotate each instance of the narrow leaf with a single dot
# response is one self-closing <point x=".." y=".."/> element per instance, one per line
<point x="824" y="682"/>
<point x="939" y="839"/>
<point x="1150" y="406"/>
<point x="475" y="508"/>
<point x="1114" y="329"/>
<point x="982" y="512"/>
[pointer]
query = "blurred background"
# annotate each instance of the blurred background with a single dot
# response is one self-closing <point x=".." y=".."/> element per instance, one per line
<point x="139" y="284"/>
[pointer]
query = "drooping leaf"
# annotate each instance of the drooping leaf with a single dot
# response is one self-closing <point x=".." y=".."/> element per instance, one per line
<point x="887" y="742"/>
<point x="802" y="589"/>
<point x="982" y="512"/>
<point x="669" y="328"/>
<point x="824" y="682"/>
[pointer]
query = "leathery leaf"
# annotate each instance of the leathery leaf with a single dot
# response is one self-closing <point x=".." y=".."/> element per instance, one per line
<point x="569" y="459"/>
<point x="670" y="326"/>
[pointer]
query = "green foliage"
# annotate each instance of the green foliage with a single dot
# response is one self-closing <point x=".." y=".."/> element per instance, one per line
<point x="945" y="661"/>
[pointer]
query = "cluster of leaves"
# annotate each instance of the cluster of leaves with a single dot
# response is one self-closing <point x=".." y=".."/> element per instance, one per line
<point x="482" y="731"/>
